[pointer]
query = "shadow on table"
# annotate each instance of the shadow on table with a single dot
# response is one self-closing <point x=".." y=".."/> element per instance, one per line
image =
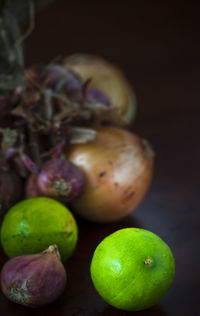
<point x="154" y="311"/>
<point x="95" y="229"/>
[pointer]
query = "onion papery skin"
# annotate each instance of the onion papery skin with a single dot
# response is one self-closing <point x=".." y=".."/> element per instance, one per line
<point x="118" y="168"/>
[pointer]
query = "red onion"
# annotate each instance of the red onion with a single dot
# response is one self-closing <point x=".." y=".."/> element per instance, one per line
<point x="60" y="179"/>
<point x="34" y="280"/>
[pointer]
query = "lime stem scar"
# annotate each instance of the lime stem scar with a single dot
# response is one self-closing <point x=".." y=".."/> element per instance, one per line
<point x="148" y="261"/>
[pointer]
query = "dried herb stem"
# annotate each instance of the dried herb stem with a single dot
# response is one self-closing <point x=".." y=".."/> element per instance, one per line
<point x="48" y="106"/>
<point x="34" y="145"/>
<point x="31" y="27"/>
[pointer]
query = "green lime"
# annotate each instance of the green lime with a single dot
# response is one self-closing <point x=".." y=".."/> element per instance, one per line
<point x="132" y="269"/>
<point x="33" y="224"/>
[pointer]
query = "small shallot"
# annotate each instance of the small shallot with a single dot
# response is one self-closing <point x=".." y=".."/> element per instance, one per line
<point x="34" y="280"/>
<point x="60" y="179"/>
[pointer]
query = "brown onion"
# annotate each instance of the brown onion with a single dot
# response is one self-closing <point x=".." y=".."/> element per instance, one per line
<point x="117" y="167"/>
<point x="107" y="78"/>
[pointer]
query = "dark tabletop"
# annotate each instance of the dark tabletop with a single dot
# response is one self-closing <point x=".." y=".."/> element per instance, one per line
<point x="157" y="44"/>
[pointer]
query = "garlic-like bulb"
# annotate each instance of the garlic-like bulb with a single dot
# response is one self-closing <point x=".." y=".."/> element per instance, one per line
<point x="109" y="79"/>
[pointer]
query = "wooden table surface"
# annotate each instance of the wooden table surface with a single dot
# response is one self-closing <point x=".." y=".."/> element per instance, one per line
<point x="157" y="44"/>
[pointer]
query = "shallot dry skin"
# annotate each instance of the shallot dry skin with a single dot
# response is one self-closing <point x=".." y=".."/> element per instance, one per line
<point x="34" y="280"/>
<point x="118" y="168"/>
<point x="31" y="189"/>
<point x="60" y="179"/>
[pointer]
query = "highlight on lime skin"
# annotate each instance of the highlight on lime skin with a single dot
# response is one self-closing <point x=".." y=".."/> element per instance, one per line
<point x="132" y="269"/>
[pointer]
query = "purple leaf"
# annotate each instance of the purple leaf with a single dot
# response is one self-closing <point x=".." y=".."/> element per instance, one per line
<point x="95" y="95"/>
<point x="30" y="165"/>
<point x="55" y="151"/>
<point x="58" y="78"/>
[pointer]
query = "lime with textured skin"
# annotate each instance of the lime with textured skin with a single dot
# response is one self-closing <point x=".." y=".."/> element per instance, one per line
<point x="33" y="224"/>
<point x="132" y="269"/>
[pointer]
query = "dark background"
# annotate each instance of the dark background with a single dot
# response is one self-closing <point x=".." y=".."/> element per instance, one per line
<point x="157" y="45"/>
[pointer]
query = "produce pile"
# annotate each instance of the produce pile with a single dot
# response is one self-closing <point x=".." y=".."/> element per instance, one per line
<point x="65" y="147"/>
<point x="60" y="114"/>
<point x="62" y="141"/>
